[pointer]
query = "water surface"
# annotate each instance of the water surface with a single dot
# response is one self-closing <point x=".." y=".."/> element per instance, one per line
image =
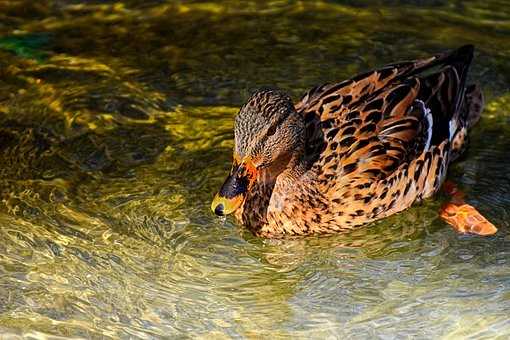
<point x="116" y="130"/>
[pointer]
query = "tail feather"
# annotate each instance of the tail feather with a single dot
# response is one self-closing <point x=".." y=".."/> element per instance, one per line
<point x="455" y="106"/>
<point x="461" y="60"/>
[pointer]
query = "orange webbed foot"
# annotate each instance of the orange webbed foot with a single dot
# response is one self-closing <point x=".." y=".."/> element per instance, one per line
<point x="463" y="217"/>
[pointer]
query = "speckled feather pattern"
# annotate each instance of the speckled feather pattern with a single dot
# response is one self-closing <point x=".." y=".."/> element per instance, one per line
<point x="372" y="146"/>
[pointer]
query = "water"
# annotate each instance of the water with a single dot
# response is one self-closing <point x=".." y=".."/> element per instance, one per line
<point x="116" y="130"/>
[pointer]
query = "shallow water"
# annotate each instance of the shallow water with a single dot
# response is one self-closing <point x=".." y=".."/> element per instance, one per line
<point x="116" y="130"/>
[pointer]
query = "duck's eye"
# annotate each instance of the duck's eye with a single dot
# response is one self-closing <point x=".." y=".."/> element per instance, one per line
<point x="272" y="130"/>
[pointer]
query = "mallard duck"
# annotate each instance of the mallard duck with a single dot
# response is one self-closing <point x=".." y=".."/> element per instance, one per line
<point x="349" y="153"/>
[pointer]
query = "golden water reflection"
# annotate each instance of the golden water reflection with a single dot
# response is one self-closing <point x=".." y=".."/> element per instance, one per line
<point x="116" y="129"/>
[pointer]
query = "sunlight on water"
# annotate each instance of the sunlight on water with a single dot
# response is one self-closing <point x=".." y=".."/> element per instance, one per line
<point x="116" y="131"/>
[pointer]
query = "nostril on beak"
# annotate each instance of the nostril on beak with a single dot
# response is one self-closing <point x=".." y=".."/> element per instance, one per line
<point x="219" y="210"/>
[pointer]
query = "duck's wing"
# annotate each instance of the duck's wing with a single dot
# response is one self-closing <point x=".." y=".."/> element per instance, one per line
<point x="328" y="99"/>
<point x="367" y="127"/>
<point x="328" y="105"/>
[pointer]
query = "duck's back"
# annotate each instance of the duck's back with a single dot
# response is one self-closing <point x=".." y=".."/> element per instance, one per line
<point x="380" y="141"/>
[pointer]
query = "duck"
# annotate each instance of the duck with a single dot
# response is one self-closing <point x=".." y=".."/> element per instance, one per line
<point x="352" y="152"/>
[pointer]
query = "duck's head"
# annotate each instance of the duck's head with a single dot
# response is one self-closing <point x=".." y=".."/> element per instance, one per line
<point x="268" y="132"/>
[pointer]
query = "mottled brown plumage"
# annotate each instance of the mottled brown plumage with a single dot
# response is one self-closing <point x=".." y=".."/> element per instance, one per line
<point x="352" y="152"/>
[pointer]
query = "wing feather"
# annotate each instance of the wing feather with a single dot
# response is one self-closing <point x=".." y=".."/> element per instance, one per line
<point x="366" y="127"/>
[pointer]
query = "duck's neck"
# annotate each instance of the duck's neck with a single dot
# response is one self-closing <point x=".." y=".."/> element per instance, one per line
<point x="297" y="165"/>
<point x="270" y="189"/>
<point x="253" y="212"/>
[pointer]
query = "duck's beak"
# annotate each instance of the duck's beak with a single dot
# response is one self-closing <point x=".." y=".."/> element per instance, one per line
<point x="233" y="191"/>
